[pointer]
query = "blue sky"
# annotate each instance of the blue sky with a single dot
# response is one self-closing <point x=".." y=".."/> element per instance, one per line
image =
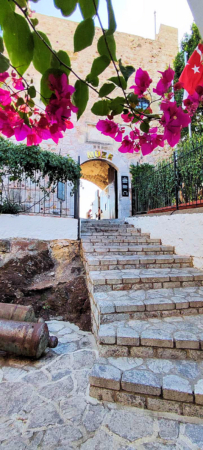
<point x="135" y="16"/>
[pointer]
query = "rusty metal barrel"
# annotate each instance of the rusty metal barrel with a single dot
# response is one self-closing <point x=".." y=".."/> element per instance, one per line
<point x="25" y="338"/>
<point x="18" y="313"/>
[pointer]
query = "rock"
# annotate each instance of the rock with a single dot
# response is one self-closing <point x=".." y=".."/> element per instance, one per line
<point x="130" y="425"/>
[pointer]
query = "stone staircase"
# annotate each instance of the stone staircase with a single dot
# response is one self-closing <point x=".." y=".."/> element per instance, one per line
<point x="147" y="317"/>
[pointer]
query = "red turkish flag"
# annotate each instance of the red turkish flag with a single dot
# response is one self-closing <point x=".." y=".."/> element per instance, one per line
<point x="192" y="75"/>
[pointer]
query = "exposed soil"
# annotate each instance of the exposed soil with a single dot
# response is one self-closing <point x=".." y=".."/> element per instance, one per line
<point x="48" y="275"/>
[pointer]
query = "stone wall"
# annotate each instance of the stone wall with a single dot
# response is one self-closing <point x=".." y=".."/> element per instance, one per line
<point x="37" y="227"/>
<point x="184" y="231"/>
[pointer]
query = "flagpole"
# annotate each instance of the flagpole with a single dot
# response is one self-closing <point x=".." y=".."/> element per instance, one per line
<point x="189" y="126"/>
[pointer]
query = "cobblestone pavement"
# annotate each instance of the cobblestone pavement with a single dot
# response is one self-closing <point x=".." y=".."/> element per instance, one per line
<point x="46" y="405"/>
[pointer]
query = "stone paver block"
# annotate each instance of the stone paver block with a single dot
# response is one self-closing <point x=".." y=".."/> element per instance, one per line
<point x="156" y="338"/>
<point x="107" y="334"/>
<point x="184" y="339"/>
<point x="177" y="388"/>
<point x="198" y="391"/>
<point x="127" y="336"/>
<point x="105" y="376"/>
<point x="141" y="382"/>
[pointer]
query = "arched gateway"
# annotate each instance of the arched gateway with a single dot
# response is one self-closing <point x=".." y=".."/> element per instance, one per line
<point x="104" y="175"/>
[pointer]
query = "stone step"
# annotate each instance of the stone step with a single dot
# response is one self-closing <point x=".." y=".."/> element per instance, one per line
<point x="169" y="337"/>
<point x="122" y="249"/>
<point x="114" y="236"/>
<point x="136" y="279"/>
<point x="115" y="306"/>
<point x="104" y="240"/>
<point x="128" y="231"/>
<point x="122" y="229"/>
<point x="135" y="261"/>
<point x="157" y="385"/>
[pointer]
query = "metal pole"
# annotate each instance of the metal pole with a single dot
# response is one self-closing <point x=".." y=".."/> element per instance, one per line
<point x="77" y="203"/>
<point x="189" y="126"/>
<point x="176" y="179"/>
<point x="155" y="23"/>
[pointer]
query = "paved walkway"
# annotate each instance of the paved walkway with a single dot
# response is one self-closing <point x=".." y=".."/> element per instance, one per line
<point x="46" y="405"/>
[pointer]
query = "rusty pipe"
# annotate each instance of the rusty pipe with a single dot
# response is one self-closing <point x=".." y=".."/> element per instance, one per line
<point x="25" y="338"/>
<point x="18" y="313"/>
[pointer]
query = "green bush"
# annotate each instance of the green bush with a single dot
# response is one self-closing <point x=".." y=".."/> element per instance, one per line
<point x="8" y="207"/>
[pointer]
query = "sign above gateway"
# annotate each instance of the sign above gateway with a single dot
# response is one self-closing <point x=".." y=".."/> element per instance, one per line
<point x="100" y="155"/>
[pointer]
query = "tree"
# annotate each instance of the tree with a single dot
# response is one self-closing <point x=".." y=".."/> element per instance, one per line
<point x="188" y="45"/>
<point x="26" y="43"/>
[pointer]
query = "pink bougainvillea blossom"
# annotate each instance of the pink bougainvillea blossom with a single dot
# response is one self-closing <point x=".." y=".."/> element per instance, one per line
<point x="18" y="84"/>
<point x="127" y="145"/>
<point x="5" y="97"/>
<point x="191" y="103"/>
<point x="110" y="128"/>
<point x="40" y="126"/>
<point x="142" y="82"/>
<point x="177" y="86"/>
<point x="3" y="76"/>
<point x="151" y="140"/>
<point x="127" y="118"/>
<point x="173" y="120"/>
<point x="165" y="82"/>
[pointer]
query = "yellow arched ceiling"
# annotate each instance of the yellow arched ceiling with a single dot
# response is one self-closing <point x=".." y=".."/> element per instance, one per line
<point x="96" y="171"/>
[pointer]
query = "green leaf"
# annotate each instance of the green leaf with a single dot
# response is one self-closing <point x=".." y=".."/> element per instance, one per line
<point x="93" y="81"/>
<point x="32" y="91"/>
<point x="133" y="98"/>
<point x="84" y="35"/>
<point x="117" y="105"/>
<point x="1" y="45"/>
<point x="63" y="56"/>
<point x="20" y="101"/>
<point x="34" y="21"/>
<point x="99" y="65"/>
<point x="101" y="108"/>
<point x="6" y="7"/>
<point x="22" y="3"/>
<point x="45" y="91"/>
<point x="87" y="8"/>
<point x="41" y="55"/>
<point x="81" y="97"/>
<point x="4" y="63"/>
<point x="126" y="71"/>
<point x="144" y="127"/>
<point x="111" y="18"/>
<point x="106" y="89"/>
<point x="67" y="7"/>
<point x="119" y="81"/>
<point x="109" y="41"/>
<point x="18" y="41"/>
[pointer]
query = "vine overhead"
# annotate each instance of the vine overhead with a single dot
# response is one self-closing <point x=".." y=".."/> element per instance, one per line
<point x="126" y="118"/>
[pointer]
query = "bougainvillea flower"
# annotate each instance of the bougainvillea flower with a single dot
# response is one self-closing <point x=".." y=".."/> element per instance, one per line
<point x="21" y="131"/>
<point x="60" y="85"/>
<point x="110" y="128"/>
<point x="127" y="117"/>
<point x="191" y="103"/>
<point x="135" y="133"/>
<point x="5" y="97"/>
<point x="178" y="86"/>
<point x="149" y="141"/>
<point x="127" y="146"/>
<point x="3" y="76"/>
<point x="164" y="83"/>
<point x="173" y="120"/>
<point x="142" y="82"/>
<point x="18" y="84"/>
